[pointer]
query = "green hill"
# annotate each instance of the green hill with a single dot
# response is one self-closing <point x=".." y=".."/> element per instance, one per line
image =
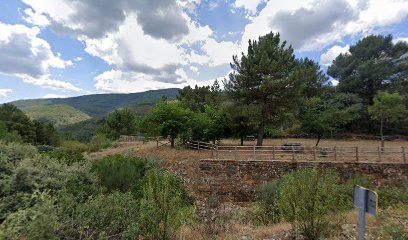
<point x="58" y="115"/>
<point x="101" y="104"/>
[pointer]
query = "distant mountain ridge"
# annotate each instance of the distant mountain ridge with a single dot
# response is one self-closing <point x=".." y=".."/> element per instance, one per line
<point x="101" y="104"/>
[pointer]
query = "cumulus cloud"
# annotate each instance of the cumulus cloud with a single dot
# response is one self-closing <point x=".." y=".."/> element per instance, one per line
<point x="327" y="58"/>
<point x="94" y="19"/>
<point x="400" y="39"/>
<point x="142" y="41"/>
<point x="24" y="55"/>
<point x="314" y="24"/>
<point x="53" y="95"/>
<point x="4" y="92"/>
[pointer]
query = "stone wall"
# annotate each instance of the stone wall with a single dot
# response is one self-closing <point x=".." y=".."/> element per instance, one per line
<point x="239" y="181"/>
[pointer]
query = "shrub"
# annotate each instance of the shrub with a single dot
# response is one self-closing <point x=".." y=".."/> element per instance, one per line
<point x="99" y="141"/>
<point x="164" y="206"/>
<point x="37" y="222"/>
<point x="44" y="174"/>
<point x="306" y="198"/>
<point x="118" y="173"/>
<point x="73" y="147"/>
<point x="108" y="215"/>
<point x="267" y="211"/>
<point x="65" y="157"/>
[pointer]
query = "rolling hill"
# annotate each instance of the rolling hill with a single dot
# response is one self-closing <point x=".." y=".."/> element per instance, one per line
<point x="58" y="115"/>
<point x="101" y="104"/>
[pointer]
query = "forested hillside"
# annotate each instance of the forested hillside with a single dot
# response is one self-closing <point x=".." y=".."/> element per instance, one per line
<point x="101" y="104"/>
<point x="58" y="115"/>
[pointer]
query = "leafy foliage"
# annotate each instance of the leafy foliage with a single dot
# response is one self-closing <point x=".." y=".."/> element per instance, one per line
<point x="164" y="206"/>
<point x="98" y="142"/>
<point x="305" y="199"/>
<point x="120" y="122"/>
<point x="118" y="173"/>
<point x="15" y="124"/>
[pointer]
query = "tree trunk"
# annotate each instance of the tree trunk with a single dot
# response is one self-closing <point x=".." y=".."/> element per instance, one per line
<point x="242" y="140"/>
<point x="172" y="142"/>
<point x="318" y="140"/>
<point x="261" y="132"/>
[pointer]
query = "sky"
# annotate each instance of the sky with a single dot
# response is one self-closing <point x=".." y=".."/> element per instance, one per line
<point x="64" y="48"/>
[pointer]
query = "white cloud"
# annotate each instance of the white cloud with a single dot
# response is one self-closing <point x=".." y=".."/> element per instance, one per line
<point x="194" y="69"/>
<point x="35" y="18"/>
<point x="400" y="39"/>
<point x="249" y="5"/>
<point x="24" y="55"/>
<point x="52" y="95"/>
<point x="327" y="58"/>
<point x="125" y="82"/>
<point x="313" y="24"/>
<point x="5" y="92"/>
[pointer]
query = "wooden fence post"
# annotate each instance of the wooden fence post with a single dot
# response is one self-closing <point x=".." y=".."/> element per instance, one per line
<point x="157" y="142"/>
<point x="254" y="152"/>
<point x="216" y="152"/>
<point x="356" y="154"/>
<point x="293" y="153"/>
<point x="198" y="146"/>
<point x="235" y="154"/>
<point x="314" y="153"/>
<point x="404" y="158"/>
<point x="273" y="152"/>
<point x="335" y="154"/>
<point x="379" y="154"/>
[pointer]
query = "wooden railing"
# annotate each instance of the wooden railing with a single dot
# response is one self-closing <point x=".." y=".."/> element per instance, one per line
<point x="307" y="153"/>
<point x="201" y="145"/>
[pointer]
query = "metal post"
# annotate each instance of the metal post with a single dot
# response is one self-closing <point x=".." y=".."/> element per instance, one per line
<point x="335" y="154"/>
<point x="404" y="157"/>
<point x="361" y="221"/>
<point x="379" y="154"/>
<point x="293" y="153"/>
<point x="273" y="152"/>
<point x="356" y="154"/>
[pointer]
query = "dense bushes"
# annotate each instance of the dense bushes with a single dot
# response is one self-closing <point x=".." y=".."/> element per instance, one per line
<point x="118" y="173"/>
<point x="42" y="197"/>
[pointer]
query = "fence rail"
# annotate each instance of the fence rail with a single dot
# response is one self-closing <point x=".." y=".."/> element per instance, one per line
<point x="304" y="153"/>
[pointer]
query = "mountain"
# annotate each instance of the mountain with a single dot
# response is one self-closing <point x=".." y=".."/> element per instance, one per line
<point x="101" y="104"/>
<point x="58" y="115"/>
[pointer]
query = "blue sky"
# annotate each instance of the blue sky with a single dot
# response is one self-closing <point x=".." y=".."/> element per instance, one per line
<point x="63" y="48"/>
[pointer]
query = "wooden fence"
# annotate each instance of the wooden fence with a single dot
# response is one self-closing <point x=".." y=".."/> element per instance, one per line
<point x="303" y="153"/>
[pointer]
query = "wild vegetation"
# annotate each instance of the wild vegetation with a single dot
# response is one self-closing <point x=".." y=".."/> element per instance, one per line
<point x="49" y="190"/>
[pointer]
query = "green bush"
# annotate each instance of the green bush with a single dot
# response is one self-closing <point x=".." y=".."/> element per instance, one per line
<point x="99" y="141"/>
<point x="44" y="174"/>
<point x="266" y="211"/>
<point x="73" y="147"/>
<point x="306" y="197"/>
<point x="36" y="222"/>
<point x="65" y="157"/>
<point x="119" y="173"/>
<point x="108" y="216"/>
<point x="164" y="206"/>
